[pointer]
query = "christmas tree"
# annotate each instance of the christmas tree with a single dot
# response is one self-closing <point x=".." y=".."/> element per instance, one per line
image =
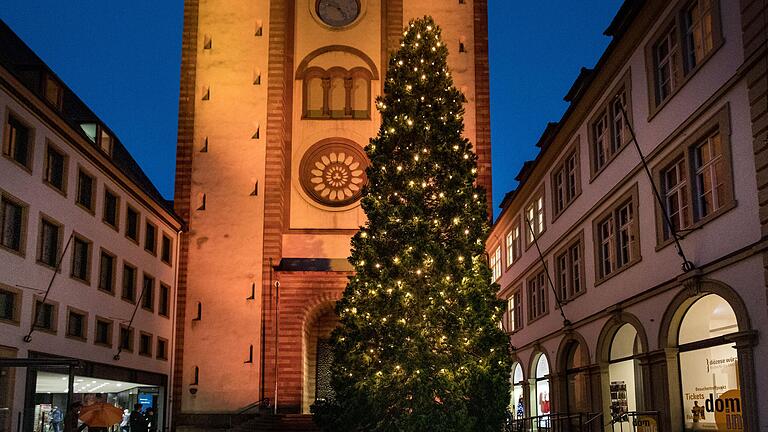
<point x="418" y="347"/>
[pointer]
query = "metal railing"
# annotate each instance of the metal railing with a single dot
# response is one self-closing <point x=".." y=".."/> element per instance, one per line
<point x="575" y="422"/>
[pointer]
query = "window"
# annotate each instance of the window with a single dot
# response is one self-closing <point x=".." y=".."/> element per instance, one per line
<point x="690" y="36"/>
<point x="132" y="224"/>
<point x="337" y="93"/>
<point x="696" y="179"/>
<point x="495" y="263"/>
<point x="54" y="92"/>
<point x="111" y="208"/>
<point x="50" y="243"/>
<point x="537" y="296"/>
<point x="566" y="182"/>
<point x="569" y="266"/>
<point x="107" y="272"/>
<point x="534" y="218"/>
<point x="81" y="257"/>
<point x="129" y="283"/>
<point x="145" y="344"/>
<point x="165" y="249"/>
<point x="105" y="141"/>
<point x="617" y="238"/>
<point x="126" y="338"/>
<point x="515" y="310"/>
<point x="98" y="136"/>
<point x="163" y="306"/>
<point x="150" y="238"/>
<point x="55" y="174"/>
<point x="103" y="332"/>
<point x="609" y="128"/>
<point x="86" y="187"/>
<point x="513" y="243"/>
<point x="10" y="300"/>
<point x="148" y="293"/>
<point x="76" y="324"/>
<point x="162" y="349"/>
<point x="45" y="316"/>
<point x="17" y="142"/>
<point x="12" y="221"/>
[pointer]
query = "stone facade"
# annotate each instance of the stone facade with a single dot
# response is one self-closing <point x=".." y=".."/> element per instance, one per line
<point x="265" y="255"/>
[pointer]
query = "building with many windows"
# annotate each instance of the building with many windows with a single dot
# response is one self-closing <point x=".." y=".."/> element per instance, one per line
<point x="632" y="255"/>
<point x="88" y="252"/>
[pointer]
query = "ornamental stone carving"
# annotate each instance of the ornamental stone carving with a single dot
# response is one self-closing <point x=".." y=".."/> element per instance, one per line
<point x="333" y="173"/>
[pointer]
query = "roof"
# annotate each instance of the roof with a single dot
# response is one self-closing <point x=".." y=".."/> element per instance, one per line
<point x="31" y="70"/>
<point x="616" y="29"/>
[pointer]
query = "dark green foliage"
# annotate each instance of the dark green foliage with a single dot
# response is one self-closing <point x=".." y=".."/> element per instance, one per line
<point x="419" y="347"/>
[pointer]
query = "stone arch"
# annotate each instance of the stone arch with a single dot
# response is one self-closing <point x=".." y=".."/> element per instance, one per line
<point x="319" y="319"/>
<point x="534" y="361"/>
<point x="563" y="349"/>
<point x="302" y="68"/>
<point x="603" y="349"/>
<point x="572" y="384"/>
<point x="743" y="341"/>
<point x="693" y="291"/>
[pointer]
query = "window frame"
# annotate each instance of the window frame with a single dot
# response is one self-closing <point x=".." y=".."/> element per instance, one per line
<point x="7" y="151"/>
<point x="518" y="316"/>
<point x="50" y="146"/>
<point x="59" y="102"/>
<point x="83" y="328"/>
<point x="54" y="315"/>
<point x="540" y="272"/>
<point x="720" y="121"/>
<point x="517" y="248"/>
<point x="22" y="251"/>
<point x="149" y="351"/>
<point x="109" y="191"/>
<point x="164" y="237"/>
<point x="111" y="292"/>
<point x="494" y="261"/>
<point x="153" y="249"/>
<point x="164" y="355"/>
<point x="674" y="18"/>
<point x="110" y="331"/>
<point x="164" y="288"/>
<point x="610" y="213"/>
<point x="574" y="150"/>
<point x="132" y="299"/>
<point x="565" y="250"/>
<point x="59" y="241"/>
<point x="18" y="295"/>
<point x="94" y="189"/>
<point x="88" y="265"/>
<point x="605" y="108"/>
<point x="151" y="308"/>
<point x="539" y="196"/>
<point x="129" y="208"/>
<point x="131" y="331"/>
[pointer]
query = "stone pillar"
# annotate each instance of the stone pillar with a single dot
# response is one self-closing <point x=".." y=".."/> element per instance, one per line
<point x="595" y="373"/>
<point x="744" y="341"/>
<point x="558" y="393"/>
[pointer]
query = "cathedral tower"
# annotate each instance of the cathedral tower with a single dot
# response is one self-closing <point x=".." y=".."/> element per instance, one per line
<point x="277" y="102"/>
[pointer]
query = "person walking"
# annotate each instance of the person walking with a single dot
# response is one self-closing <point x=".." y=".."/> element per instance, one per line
<point x="151" y="417"/>
<point x="126" y="423"/>
<point x="72" y="417"/>
<point x="138" y="421"/>
<point x="57" y="419"/>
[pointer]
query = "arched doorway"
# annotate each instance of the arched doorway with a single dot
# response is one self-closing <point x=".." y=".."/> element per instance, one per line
<point x="517" y="396"/>
<point x="577" y="378"/>
<point x="540" y="396"/>
<point x="623" y="374"/>
<point x="709" y="366"/>
<point x="318" y="355"/>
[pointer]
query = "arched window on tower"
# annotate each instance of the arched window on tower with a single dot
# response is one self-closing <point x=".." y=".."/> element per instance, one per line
<point x="337" y="93"/>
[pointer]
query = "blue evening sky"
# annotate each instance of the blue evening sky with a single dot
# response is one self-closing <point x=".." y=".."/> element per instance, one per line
<point x="122" y="59"/>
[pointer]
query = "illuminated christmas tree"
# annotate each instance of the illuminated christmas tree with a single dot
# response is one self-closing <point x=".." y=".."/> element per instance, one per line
<point x="418" y="347"/>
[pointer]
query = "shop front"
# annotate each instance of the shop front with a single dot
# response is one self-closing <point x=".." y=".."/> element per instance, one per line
<point x="47" y="392"/>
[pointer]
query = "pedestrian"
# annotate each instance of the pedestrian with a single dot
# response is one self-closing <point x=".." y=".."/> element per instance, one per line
<point x="57" y="419"/>
<point x="137" y="420"/>
<point x="71" y="419"/>
<point x="151" y="417"/>
<point x="125" y="424"/>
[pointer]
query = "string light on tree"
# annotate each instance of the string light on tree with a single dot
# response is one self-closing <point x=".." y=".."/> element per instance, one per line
<point x="423" y="342"/>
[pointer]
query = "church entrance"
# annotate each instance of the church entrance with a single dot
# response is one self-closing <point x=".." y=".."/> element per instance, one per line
<point x="318" y="355"/>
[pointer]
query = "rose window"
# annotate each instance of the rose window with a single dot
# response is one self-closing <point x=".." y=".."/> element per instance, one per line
<point x="334" y="174"/>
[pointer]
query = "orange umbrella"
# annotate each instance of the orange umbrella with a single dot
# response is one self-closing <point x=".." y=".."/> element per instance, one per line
<point x="101" y="415"/>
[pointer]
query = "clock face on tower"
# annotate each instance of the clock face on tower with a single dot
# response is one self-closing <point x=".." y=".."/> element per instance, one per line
<point x="338" y="13"/>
